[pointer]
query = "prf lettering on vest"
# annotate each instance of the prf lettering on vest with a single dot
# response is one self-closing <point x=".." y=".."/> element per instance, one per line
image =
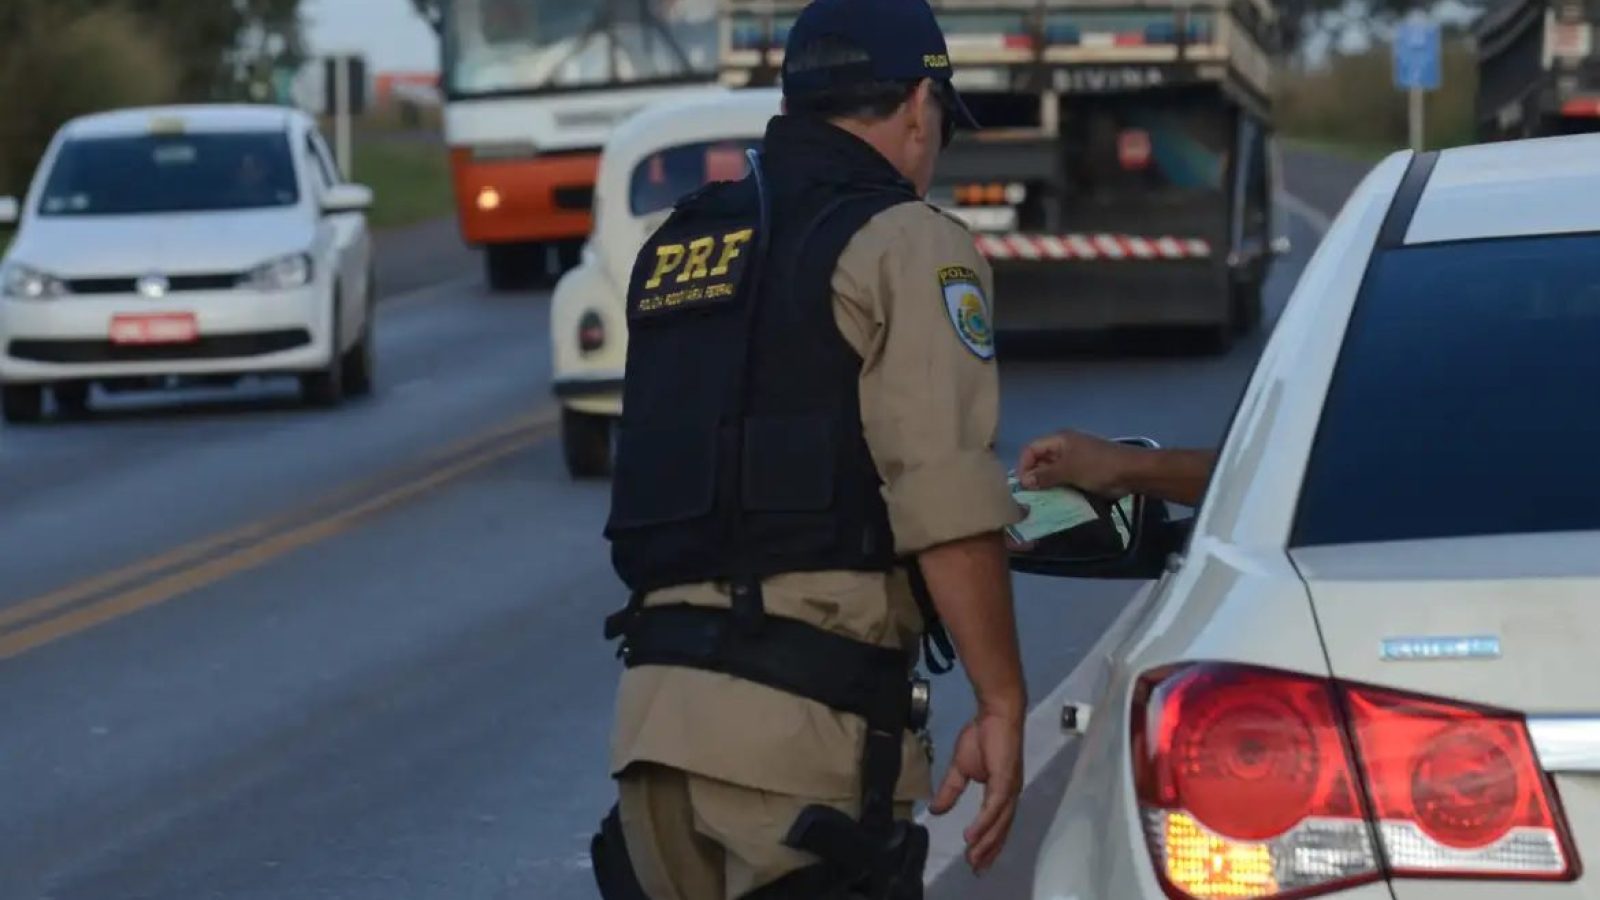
<point x="693" y="262"/>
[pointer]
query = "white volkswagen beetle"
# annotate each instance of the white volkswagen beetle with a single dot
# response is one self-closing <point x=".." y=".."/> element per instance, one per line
<point x="651" y="160"/>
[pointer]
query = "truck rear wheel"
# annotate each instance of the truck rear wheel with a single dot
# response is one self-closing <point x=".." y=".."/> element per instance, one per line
<point x="1248" y="308"/>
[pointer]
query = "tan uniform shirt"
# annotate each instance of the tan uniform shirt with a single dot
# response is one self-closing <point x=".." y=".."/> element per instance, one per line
<point x="909" y="295"/>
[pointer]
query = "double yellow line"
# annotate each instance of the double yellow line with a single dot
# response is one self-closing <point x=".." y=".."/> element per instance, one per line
<point x="78" y="607"/>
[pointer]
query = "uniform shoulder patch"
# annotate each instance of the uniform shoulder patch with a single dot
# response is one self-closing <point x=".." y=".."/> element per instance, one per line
<point x="968" y="309"/>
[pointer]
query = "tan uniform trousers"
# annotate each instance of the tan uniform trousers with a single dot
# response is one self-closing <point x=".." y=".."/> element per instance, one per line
<point x="696" y="838"/>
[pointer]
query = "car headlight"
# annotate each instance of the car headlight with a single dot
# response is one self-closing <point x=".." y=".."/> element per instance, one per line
<point x="282" y="274"/>
<point x="17" y="280"/>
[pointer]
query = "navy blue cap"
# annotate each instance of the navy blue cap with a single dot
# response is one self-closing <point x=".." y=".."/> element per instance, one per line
<point x="901" y="38"/>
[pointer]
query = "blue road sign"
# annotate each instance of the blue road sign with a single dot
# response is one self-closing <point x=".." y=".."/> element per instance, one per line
<point x="1416" y="56"/>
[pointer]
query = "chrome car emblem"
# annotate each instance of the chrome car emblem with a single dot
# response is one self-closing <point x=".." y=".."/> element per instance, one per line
<point x="152" y="286"/>
<point x="1420" y="649"/>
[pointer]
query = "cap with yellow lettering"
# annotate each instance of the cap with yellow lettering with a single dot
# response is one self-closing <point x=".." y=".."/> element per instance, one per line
<point x="901" y="38"/>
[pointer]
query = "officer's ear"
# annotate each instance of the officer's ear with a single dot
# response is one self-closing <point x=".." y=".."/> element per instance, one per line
<point x="924" y="105"/>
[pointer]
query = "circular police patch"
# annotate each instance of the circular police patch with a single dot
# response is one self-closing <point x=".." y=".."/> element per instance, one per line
<point x="968" y="309"/>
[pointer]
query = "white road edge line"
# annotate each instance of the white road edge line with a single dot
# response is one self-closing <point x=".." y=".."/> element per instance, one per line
<point x="1043" y="739"/>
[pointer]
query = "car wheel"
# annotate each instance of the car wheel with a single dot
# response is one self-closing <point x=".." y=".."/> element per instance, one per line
<point x="325" y="387"/>
<point x="568" y="255"/>
<point x="586" y="444"/>
<point x="23" y="403"/>
<point x="1248" y="307"/>
<point x="72" y="398"/>
<point x="358" y="367"/>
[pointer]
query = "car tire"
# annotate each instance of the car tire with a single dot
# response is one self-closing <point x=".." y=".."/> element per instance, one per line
<point x="325" y="387"/>
<point x="22" y="404"/>
<point x="586" y="444"/>
<point x="568" y="255"/>
<point x="72" y="398"/>
<point x="358" y="366"/>
<point x="1248" y="307"/>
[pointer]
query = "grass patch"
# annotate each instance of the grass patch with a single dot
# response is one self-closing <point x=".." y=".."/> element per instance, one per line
<point x="1350" y="107"/>
<point x="410" y="180"/>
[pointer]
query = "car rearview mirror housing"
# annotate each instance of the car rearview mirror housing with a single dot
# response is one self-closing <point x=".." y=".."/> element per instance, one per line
<point x="10" y="211"/>
<point x="347" y="198"/>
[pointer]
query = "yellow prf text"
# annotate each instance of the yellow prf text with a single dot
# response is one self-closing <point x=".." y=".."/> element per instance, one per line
<point x="692" y="261"/>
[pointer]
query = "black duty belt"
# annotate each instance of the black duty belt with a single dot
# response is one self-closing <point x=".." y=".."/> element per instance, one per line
<point x="847" y="675"/>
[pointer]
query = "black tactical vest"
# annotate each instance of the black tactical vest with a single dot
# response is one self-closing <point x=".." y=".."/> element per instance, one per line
<point x="740" y="450"/>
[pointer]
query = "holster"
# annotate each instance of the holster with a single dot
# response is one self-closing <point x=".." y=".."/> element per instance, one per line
<point x="613" y="869"/>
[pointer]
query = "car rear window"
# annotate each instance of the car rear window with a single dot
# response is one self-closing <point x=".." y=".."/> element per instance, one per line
<point x="661" y="178"/>
<point x="1466" y="400"/>
<point x="171" y="173"/>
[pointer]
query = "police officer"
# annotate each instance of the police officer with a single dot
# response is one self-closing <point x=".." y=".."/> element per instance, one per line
<point x="806" y="488"/>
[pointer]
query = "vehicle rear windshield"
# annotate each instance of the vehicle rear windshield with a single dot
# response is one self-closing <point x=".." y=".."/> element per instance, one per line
<point x="171" y="173"/>
<point x="1465" y="397"/>
<point x="663" y="177"/>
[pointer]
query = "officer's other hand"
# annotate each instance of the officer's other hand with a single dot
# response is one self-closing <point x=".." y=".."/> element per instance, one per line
<point x="1074" y="459"/>
<point x="988" y="751"/>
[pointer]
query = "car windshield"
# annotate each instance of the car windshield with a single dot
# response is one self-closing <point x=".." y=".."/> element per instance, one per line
<point x="1464" y="398"/>
<point x="170" y="173"/>
<point x="498" y="46"/>
<point x="666" y="175"/>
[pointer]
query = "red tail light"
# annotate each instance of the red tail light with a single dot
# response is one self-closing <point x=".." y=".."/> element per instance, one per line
<point x="1456" y="790"/>
<point x="1252" y="785"/>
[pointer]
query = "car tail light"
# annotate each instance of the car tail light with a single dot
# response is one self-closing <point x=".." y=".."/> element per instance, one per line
<point x="591" y="332"/>
<point x="1247" y="786"/>
<point x="1456" y="790"/>
<point x="1257" y="783"/>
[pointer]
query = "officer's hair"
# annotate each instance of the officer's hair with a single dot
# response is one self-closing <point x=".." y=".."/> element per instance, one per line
<point x="848" y="98"/>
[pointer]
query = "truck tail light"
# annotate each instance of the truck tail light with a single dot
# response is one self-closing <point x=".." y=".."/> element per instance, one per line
<point x="1257" y="783"/>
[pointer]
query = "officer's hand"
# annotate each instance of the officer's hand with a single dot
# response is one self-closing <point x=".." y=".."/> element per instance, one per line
<point x="1074" y="459"/>
<point x="988" y="751"/>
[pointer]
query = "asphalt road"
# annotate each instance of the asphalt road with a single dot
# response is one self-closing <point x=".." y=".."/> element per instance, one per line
<point x="252" y="651"/>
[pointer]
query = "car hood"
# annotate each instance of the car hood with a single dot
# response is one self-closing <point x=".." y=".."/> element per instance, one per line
<point x="169" y="244"/>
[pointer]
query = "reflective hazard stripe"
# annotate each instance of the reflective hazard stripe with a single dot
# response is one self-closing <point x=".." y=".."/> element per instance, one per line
<point x="1089" y="246"/>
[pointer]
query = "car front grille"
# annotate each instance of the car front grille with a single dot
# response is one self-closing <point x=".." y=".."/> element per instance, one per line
<point x="176" y="284"/>
<point x="227" y="346"/>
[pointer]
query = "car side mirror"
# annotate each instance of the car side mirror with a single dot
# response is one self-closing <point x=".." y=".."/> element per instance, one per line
<point x="346" y="198"/>
<point x="1148" y="540"/>
<point x="1129" y="539"/>
<point x="10" y="211"/>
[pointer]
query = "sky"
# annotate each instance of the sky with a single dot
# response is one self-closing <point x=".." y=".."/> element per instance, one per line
<point x="386" y="32"/>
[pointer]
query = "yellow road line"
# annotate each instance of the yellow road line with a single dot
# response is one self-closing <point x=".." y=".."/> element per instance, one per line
<point x="188" y="553"/>
<point x="245" y="558"/>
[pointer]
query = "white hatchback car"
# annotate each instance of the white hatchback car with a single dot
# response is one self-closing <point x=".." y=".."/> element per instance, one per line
<point x="1372" y="670"/>
<point x="185" y="242"/>
<point x="650" y="161"/>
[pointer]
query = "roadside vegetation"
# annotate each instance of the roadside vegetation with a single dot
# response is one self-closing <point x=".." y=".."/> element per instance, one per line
<point x="1349" y="105"/>
<point x="409" y="177"/>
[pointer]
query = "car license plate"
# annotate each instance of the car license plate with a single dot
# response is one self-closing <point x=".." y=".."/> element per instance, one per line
<point x="162" y="328"/>
<point x="987" y="218"/>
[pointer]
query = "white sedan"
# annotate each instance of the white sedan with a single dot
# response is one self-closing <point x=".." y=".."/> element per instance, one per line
<point x="651" y="160"/>
<point x="1371" y="670"/>
<point x="192" y="242"/>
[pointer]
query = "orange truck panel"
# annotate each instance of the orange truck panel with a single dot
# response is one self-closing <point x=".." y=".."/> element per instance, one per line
<point x="524" y="200"/>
